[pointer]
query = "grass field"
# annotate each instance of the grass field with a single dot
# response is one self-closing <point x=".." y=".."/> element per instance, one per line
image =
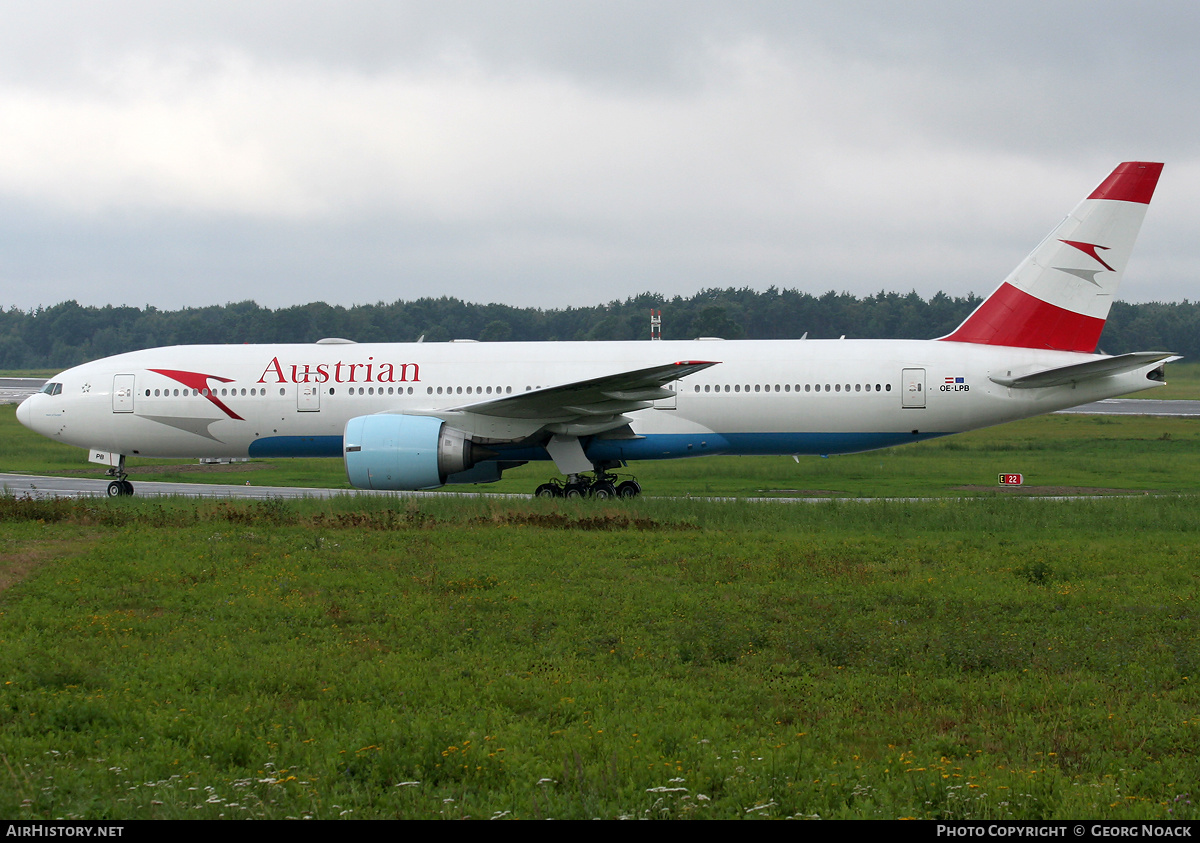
<point x="994" y="658"/>
<point x="29" y="373"/>
<point x="955" y="658"/>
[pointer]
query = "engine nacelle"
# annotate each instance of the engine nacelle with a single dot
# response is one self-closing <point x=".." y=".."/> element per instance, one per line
<point x="397" y="453"/>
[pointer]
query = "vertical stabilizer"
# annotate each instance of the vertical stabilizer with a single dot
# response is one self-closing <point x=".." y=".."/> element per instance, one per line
<point x="1059" y="296"/>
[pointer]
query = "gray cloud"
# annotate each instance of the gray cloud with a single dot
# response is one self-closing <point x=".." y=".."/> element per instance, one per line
<point x="554" y="154"/>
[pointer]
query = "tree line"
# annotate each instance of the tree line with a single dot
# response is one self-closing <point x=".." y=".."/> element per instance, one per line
<point x="67" y="334"/>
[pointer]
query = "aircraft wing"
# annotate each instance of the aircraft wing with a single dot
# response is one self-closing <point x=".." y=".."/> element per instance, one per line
<point x="605" y="396"/>
<point x="1090" y="370"/>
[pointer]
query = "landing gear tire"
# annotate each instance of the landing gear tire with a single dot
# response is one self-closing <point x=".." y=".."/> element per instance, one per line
<point x="604" y="491"/>
<point x="629" y="489"/>
<point x="601" y="486"/>
<point x="120" y="487"/>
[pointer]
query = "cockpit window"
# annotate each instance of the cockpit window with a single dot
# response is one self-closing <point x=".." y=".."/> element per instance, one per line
<point x="52" y="389"/>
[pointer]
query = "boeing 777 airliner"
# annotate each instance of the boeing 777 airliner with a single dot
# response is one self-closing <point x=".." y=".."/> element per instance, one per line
<point x="422" y="415"/>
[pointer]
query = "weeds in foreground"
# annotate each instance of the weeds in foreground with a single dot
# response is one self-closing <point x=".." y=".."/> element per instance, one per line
<point x="985" y="659"/>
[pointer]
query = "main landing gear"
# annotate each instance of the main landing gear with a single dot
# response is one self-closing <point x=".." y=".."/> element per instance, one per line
<point x="119" y="488"/>
<point x="601" y="485"/>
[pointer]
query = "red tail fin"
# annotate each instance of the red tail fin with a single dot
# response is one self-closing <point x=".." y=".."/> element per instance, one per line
<point x="1060" y="294"/>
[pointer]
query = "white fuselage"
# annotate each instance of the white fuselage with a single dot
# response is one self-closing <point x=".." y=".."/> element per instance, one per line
<point x="761" y="397"/>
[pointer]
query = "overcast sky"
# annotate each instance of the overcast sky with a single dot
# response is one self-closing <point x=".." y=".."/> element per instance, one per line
<point x="570" y="153"/>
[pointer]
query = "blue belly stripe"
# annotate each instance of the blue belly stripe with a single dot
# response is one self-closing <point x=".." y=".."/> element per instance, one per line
<point x="675" y="445"/>
<point x="658" y="446"/>
<point x="297" y="446"/>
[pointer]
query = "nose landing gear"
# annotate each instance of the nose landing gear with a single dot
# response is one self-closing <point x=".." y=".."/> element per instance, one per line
<point x="119" y="488"/>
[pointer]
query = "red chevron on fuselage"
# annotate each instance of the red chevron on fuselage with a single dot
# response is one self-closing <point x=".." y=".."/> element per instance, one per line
<point x="198" y="381"/>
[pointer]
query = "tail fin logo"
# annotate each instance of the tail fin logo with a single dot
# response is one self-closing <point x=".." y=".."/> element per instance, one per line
<point x="1089" y="249"/>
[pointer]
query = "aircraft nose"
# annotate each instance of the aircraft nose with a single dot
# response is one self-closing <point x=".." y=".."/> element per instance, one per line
<point x="23" y="411"/>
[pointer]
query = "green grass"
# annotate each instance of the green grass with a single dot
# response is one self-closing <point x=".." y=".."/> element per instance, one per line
<point x="987" y="659"/>
<point x="29" y="373"/>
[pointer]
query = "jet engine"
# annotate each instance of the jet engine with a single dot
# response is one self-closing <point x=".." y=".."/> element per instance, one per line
<point x="397" y="452"/>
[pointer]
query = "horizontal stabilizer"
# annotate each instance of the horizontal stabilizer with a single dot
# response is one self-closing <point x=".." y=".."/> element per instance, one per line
<point x="1091" y="370"/>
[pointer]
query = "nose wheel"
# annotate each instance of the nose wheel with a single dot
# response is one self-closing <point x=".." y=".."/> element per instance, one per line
<point x="120" y="489"/>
